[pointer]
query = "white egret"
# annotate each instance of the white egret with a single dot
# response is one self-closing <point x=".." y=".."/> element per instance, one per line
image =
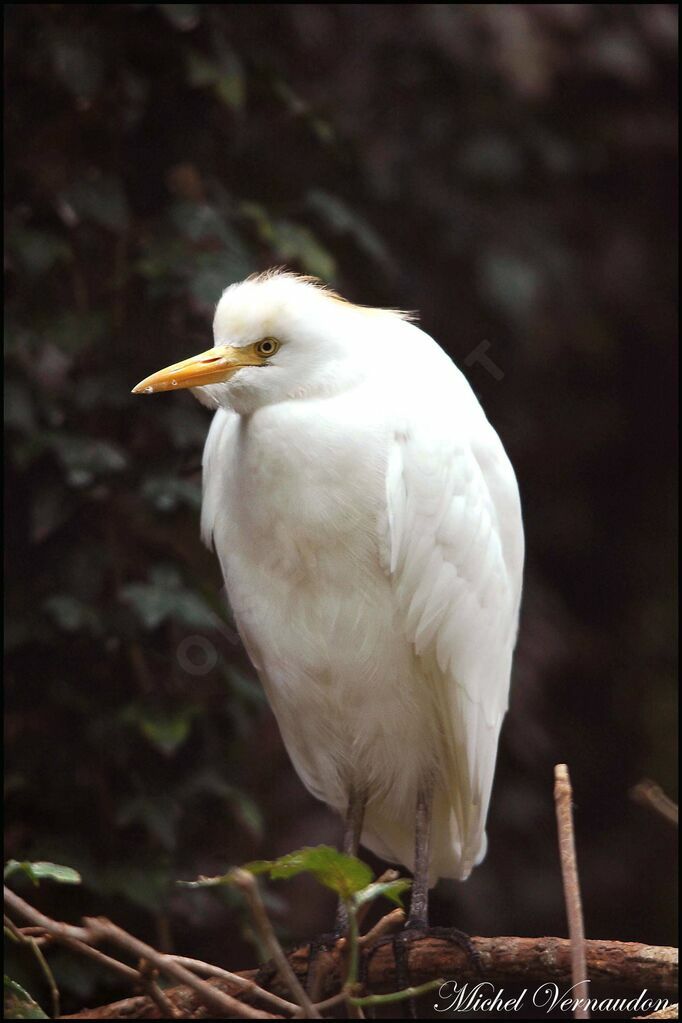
<point x="368" y="525"/>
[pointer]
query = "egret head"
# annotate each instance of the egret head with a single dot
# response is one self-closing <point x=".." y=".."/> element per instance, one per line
<point x="276" y="337"/>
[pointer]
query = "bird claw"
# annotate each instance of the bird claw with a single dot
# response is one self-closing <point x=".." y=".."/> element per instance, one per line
<point x="452" y="934"/>
<point x="415" y="931"/>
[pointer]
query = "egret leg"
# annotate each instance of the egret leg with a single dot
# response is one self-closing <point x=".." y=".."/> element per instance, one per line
<point x="419" y="906"/>
<point x="355" y="812"/>
<point x="417" y="925"/>
<point x="357" y="800"/>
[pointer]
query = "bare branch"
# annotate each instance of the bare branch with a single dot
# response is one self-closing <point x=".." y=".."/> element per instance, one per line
<point x="147" y="975"/>
<point x="249" y="886"/>
<point x="648" y="793"/>
<point x="563" y="797"/>
<point x="211" y="996"/>
<point x="393" y="921"/>
<point x="249" y="987"/>
<point x="672" y="1012"/>
<point x="32" y="943"/>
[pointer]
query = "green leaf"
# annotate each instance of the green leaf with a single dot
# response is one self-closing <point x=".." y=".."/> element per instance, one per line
<point x="165" y="731"/>
<point x="86" y="458"/>
<point x="42" y="871"/>
<point x="145" y="886"/>
<point x="392" y="890"/>
<point x="18" y="1004"/>
<point x="225" y="76"/>
<point x="343" y="874"/>
<point x="199" y="221"/>
<point x="159" y="815"/>
<point x="338" y="216"/>
<point x="166" y="493"/>
<point x="164" y="597"/>
<point x="212" y="272"/>
<point x="200" y="70"/>
<point x="211" y="783"/>
<point x="295" y="244"/>
<point x="71" y="614"/>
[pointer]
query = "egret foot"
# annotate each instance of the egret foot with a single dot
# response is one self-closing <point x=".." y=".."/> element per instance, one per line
<point x="415" y="930"/>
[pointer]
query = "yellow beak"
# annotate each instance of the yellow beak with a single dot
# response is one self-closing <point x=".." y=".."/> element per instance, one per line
<point x="210" y="367"/>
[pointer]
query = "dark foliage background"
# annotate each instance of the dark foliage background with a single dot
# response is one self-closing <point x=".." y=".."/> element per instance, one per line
<point x="507" y="170"/>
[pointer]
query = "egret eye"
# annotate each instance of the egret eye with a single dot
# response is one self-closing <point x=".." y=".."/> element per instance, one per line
<point x="267" y="347"/>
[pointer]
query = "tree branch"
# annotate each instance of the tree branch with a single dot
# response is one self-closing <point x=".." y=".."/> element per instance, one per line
<point x="615" y="967"/>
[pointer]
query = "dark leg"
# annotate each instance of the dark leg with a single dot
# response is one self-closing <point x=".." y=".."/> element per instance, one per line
<point x="418" y="919"/>
<point x="355" y="813"/>
<point x="419" y="906"/>
<point x="417" y="924"/>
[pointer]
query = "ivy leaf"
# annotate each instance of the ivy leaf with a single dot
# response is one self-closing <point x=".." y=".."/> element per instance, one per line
<point x="341" y="219"/>
<point x="337" y="871"/>
<point x="166" y="493"/>
<point x="71" y="614"/>
<point x="164" y="730"/>
<point x="225" y="76"/>
<point x="159" y="815"/>
<point x="345" y="875"/>
<point x="85" y="458"/>
<point x="164" y="597"/>
<point x="42" y="870"/>
<point x="293" y="243"/>
<point x="18" y="1004"/>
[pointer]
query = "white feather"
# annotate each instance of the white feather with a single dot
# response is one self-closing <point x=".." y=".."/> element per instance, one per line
<point x="368" y="525"/>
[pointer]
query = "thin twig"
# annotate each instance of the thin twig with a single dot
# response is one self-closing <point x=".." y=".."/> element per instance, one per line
<point x="331" y="1003"/>
<point x="569" y="872"/>
<point x="393" y="921"/>
<point x="399" y="996"/>
<point x="147" y="974"/>
<point x="671" y="1012"/>
<point x="212" y="997"/>
<point x="78" y="939"/>
<point x="89" y="953"/>
<point x="38" y="919"/>
<point x="249" y="886"/>
<point x="648" y="793"/>
<point x="247" y="986"/>
<point x="31" y="943"/>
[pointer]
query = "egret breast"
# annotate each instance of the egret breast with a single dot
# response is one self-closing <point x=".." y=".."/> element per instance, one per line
<point x="303" y="506"/>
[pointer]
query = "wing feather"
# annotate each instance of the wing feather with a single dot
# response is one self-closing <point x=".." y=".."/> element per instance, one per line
<point x="456" y="555"/>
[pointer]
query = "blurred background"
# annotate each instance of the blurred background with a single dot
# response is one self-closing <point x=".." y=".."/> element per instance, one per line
<point x="509" y="171"/>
